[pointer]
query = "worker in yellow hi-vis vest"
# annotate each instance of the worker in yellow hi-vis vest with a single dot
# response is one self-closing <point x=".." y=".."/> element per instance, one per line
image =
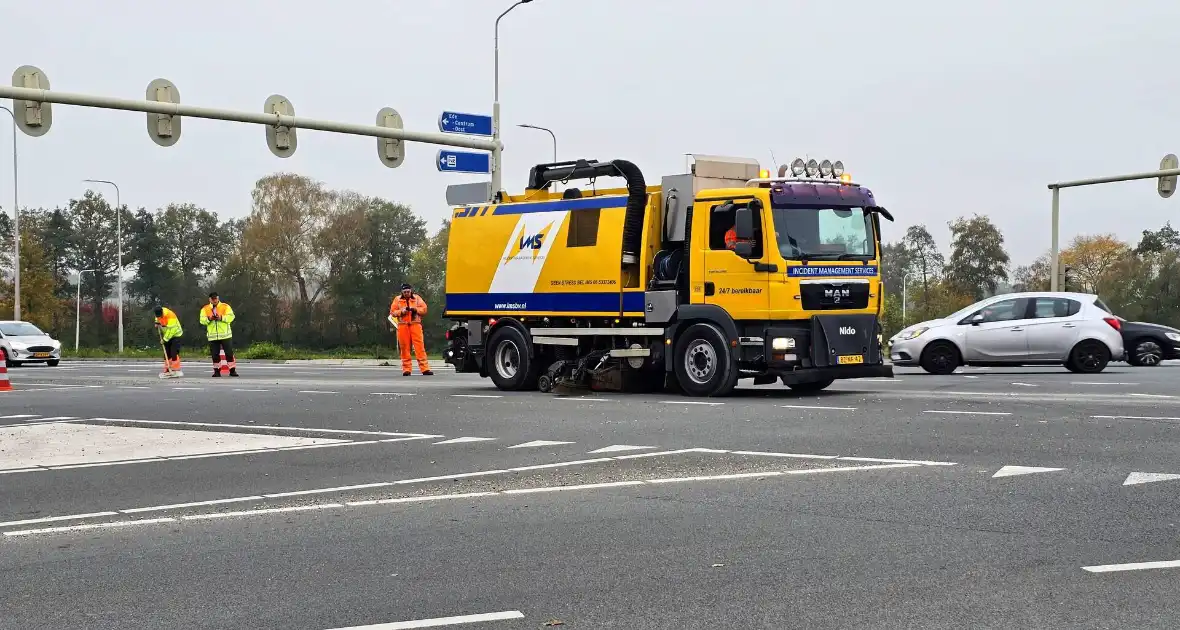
<point x="217" y="317"/>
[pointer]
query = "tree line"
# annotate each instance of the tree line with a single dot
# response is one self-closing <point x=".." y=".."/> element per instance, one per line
<point x="315" y="268"/>
<point x="309" y="267"/>
<point x="1140" y="282"/>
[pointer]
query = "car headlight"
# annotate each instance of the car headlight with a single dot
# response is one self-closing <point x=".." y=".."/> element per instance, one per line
<point x="911" y="334"/>
<point x="782" y="343"/>
<point x="1173" y="336"/>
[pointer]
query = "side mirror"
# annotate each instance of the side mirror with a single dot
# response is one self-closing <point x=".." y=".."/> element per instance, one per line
<point x="977" y="319"/>
<point x="745" y="249"/>
<point x="743" y="223"/>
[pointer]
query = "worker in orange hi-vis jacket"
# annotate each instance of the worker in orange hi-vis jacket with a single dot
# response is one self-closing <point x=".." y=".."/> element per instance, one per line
<point x="407" y="310"/>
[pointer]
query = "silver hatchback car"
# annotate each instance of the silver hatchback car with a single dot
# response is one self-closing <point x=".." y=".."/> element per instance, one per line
<point x="1072" y="329"/>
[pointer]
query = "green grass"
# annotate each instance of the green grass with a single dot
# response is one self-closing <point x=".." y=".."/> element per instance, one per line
<point x="262" y="350"/>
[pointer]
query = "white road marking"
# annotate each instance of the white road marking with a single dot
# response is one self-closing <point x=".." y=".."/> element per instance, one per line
<point x="314" y="391"/>
<point x="969" y="376"/>
<point x="19" y="416"/>
<point x="56" y="419"/>
<point x="818" y="407"/>
<point x="1137" y="478"/>
<point x="1012" y="471"/>
<point x="1101" y="383"/>
<point x="440" y="621"/>
<point x="463" y="440"/>
<point x="267" y="427"/>
<point x="76" y="528"/>
<point x="1151" y="395"/>
<point x="139" y="370"/>
<point x="1025" y="385"/>
<point x="1133" y="566"/>
<point x="280" y="510"/>
<point x="536" y="443"/>
<point x="54" y="519"/>
<point x="391" y="394"/>
<point x="189" y="389"/>
<point x="793" y="455"/>
<point x="177" y="506"/>
<point x="1136" y="418"/>
<point x="251" y="390"/>
<point x="690" y="402"/>
<point x="777" y="473"/>
<point x="891" y="463"/>
<point x="435" y="497"/>
<point x="585" y="398"/>
<point x="615" y="448"/>
<point x="475" y="396"/>
<point x="585" y="486"/>
<point x="299" y="493"/>
<point x="968" y="413"/>
<point x="133" y="387"/>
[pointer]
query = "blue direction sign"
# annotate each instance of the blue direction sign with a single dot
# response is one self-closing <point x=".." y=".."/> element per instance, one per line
<point x="457" y="122"/>
<point x="463" y="162"/>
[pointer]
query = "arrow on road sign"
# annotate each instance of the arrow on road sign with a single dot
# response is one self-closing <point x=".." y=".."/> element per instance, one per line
<point x="463" y="162"/>
<point x="458" y="122"/>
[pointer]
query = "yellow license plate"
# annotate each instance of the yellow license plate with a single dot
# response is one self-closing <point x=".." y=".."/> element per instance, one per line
<point x="42" y="355"/>
<point x="850" y="359"/>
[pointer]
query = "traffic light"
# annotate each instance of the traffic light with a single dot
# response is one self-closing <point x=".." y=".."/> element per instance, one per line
<point x="391" y="152"/>
<point x="163" y="129"/>
<point x="1167" y="185"/>
<point x="280" y="138"/>
<point x="33" y="117"/>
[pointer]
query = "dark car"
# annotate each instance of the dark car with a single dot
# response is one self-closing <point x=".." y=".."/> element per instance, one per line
<point x="1148" y="344"/>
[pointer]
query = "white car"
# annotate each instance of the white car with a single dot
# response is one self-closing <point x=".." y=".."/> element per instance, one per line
<point x="22" y="342"/>
<point x="1072" y="329"/>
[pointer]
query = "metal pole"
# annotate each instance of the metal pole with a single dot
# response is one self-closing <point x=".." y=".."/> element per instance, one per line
<point x="497" y="175"/>
<point x="15" y="224"/>
<point x="119" y="240"/>
<point x="549" y="131"/>
<point x="258" y="118"/>
<point x="1053" y="253"/>
<point x="1054" y="257"/>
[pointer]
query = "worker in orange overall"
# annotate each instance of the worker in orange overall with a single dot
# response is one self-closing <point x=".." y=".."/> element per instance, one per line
<point x="407" y="311"/>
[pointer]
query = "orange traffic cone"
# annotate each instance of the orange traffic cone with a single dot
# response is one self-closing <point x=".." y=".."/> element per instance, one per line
<point x="5" y="386"/>
<point x="224" y="367"/>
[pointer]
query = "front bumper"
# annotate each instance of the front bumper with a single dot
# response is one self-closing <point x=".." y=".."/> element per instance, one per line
<point x="906" y="352"/>
<point x="813" y="375"/>
<point x="25" y="355"/>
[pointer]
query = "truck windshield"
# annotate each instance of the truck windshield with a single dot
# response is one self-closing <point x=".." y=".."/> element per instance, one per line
<point x="824" y="233"/>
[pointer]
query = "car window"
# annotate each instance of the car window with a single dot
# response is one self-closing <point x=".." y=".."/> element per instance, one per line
<point x="20" y="329"/>
<point x="1003" y="311"/>
<point x="1049" y="307"/>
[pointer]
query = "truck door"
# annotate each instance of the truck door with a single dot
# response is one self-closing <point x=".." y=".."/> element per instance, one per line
<point x="736" y="284"/>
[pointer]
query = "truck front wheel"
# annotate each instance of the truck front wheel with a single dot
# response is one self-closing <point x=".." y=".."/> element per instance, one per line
<point x="509" y="364"/>
<point x="703" y="363"/>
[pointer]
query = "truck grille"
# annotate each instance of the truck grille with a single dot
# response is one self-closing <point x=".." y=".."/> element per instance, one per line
<point x="824" y="296"/>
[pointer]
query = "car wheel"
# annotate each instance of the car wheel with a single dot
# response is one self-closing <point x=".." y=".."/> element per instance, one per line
<point x="940" y="357"/>
<point x="813" y="386"/>
<point x="53" y="362"/>
<point x="510" y="366"/>
<point x="1088" y="357"/>
<point x="702" y="362"/>
<point x="1146" y="353"/>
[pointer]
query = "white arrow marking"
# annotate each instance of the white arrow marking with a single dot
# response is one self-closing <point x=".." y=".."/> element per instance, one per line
<point x="461" y="440"/>
<point x="1136" y="478"/>
<point x="1012" y="471"/>
<point x="620" y="447"/>
<point x="539" y="443"/>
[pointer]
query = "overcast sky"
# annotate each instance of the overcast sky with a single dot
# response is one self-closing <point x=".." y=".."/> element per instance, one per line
<point x="942" y="108"/>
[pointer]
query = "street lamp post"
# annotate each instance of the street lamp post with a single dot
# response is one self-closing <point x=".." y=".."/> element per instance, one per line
<point x="551" y="135"/>
<point x="119" y="239"/>
<point x="497" y="177"/>
<point x="78" y="310"/>
<point x="15" y="225"/>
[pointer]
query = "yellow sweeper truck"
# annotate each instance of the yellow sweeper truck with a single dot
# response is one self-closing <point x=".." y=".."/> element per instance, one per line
<point x="721" y="274"/>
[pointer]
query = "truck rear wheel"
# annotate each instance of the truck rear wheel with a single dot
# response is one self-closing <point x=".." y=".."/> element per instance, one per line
<point x="509" y="364"/>
<point x="703" y="363"/>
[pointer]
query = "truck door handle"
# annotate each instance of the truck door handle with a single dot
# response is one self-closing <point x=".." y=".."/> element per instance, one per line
<point x="1068" y="326"/>
<point x="1017" y="330"/>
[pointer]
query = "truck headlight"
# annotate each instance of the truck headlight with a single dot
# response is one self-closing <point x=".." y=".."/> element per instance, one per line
<point x="782" y="343"/>
<point x="1173" y="336"/>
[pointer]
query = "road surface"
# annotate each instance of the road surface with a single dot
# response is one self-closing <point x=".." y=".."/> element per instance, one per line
<point x="324" y="498"/>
